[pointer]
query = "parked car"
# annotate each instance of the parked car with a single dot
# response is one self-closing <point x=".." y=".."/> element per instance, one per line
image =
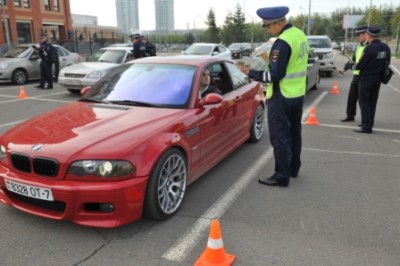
<point x="77" y="76"/>
<point x="132" y="144"/>
<point x="238" y="50"/>
<point x="21" y="64"/>
<point x="212" y="49"/>
<point x="261" y="57"/>
<point x="323" y="49"/>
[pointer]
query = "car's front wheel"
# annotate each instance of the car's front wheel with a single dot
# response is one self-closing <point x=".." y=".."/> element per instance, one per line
<point x="19" y="76"/>
<point x="166" y="186"/>
<point x="257" y="127"/>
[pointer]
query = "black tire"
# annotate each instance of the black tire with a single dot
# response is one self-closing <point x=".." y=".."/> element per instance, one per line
<point x="257" y="126"/>
<point x="19" y="77"/>
<point x="166" y="186"/>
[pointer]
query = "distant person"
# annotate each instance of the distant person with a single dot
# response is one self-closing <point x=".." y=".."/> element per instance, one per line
<point x="373" y="62"/>
<point x="352" y="98"/>
<point x="139" y="48"/>
<point x="47" y="53"/>
<point x="80" y="37"/>
<point x="150" y="48"/>
<point x="205" y="86"/>
<point x="285" y="76"/>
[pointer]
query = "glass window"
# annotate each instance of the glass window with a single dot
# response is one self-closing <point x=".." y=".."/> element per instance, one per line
<point x="4" y="2"/>
<point x="27" y="4"/>
<point x="17" y="3"/>
<point x="24" y="32"/>
<point x="47" y="4"/>
<point x="238" y="77"/>
<point x="56" y="6"/>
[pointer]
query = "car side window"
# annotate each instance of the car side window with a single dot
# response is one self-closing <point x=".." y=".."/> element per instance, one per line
<point x="221" y="49"/>
<point x="239" y="79"/>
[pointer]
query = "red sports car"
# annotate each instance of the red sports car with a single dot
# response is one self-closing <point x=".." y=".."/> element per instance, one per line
<point x="131" y="145"/>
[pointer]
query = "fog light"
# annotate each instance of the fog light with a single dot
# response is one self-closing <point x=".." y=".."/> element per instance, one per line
<point x="106" y="207"/>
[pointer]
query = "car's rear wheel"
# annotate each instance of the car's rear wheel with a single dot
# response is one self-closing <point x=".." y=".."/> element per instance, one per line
<point x="257" y="127"/>
<point x="166" y="186"/>
<point x="19" y="76"/>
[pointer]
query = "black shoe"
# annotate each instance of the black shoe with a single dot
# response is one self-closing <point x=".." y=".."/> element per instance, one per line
<point x="39" y="87"/>
<point x="363" y="130"/>
<point x="360" y="125"/>
<point x="55" y="80"/>
<point x="294" y="175"/>
<point x="270" y="181"/>
<point x="49" y="87"/>
<point x="348" y="119"/>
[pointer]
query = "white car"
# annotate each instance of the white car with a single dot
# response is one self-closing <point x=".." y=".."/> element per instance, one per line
<point x="21" y="64"/>
<point x="78" y="76"/>
<point x="212" y="49"/>
<point x="322" y="47"/>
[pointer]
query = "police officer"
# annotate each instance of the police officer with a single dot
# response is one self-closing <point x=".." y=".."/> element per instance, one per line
<point x="150" y="48"/>
<point x="352" y="97"/>
<point x="375" y="59"/>
<point x="139" y="48"/>
<point x="285" y="76"/>
<point x="47" y="54"/>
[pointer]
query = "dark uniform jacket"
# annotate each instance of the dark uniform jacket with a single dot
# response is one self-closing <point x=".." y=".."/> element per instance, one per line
<point x="375" y="59"/>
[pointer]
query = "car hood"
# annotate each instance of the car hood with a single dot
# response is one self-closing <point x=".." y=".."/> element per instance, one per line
<point x="5" y="60"/>
<point x="322" y="50"/>
<point x="82" y="130"/>
<point x="88" y="67"/>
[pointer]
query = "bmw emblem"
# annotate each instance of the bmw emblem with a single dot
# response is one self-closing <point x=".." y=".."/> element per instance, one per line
<point x="37" y="147"/>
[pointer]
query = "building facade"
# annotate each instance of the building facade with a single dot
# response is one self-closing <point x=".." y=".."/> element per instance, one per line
<point x="27" y="19"/>
<point x="128" y="15"/>
<point x="164" y="16"/>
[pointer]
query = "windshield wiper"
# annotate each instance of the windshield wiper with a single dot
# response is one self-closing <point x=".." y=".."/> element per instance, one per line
<point x="136" y="103"/>
<point x="93" y="100"/>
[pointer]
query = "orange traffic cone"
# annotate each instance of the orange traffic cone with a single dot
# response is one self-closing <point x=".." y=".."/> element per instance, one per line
<point x="214" y="254"/>
<point x="312" y="119"/>
<point x="22" y="94"/>
<point x="335" y="89"/>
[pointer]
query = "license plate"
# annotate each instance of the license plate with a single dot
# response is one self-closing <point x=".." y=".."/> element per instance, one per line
<point x="29" y="191"/>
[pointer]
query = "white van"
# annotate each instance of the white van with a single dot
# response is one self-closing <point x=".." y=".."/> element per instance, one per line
<point x="322" y="47"/>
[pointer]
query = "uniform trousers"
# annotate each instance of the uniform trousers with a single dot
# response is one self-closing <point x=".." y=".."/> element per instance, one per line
<point x="284" y="122"/>
<point x="352" y="97"/>
<point x="45" y="74"/>
<point x="368" y="92"/>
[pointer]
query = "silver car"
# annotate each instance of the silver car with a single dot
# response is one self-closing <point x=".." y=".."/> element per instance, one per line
<point x="78" y="76"/>
<point x="21" y="64"/>
<point x="212" y="49"/>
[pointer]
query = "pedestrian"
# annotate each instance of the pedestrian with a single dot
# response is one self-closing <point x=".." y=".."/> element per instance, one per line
<point x="139" y="48"/>
<point x="352" y="97"/>
<point x="285" y="76"/>
<point x="47" y="53"/>
<point x="150" y="48"/>
<point x="373" y="62"/>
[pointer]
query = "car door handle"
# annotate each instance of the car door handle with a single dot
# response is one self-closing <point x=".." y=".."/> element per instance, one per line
<point x="238" y="98"/>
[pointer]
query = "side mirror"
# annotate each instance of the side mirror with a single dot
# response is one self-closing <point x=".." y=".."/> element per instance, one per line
<point x="34" y="57"/>
<point x="84" y="90"/>
<point x="215" y="53"/>
<point x="312" y="60"/>
<point x="212" y="98"/>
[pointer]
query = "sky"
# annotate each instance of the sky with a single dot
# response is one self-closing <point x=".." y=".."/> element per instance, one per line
<point x="191" y="14"/>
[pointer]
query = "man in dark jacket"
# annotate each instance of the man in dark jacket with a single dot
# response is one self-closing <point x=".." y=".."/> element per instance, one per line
<point x="48" y="55"/>
<point x="373" y="62"/>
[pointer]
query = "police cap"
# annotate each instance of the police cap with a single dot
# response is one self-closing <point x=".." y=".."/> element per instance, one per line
<point x="373" y="30"/>
<point x="135" y="36"/>
<point x="272" y="14"/>
<point x="43" y="36"/>
<point x="361" y="29"/>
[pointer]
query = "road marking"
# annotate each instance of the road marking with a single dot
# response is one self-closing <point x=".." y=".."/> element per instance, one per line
<point x="355" y="127"/>
<point x="189" y="239"/>
<point x="12" y="123"/>
<point x="354" y="153"/>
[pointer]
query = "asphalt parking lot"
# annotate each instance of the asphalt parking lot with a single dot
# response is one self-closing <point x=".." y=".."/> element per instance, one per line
<point x="343" y="209"/>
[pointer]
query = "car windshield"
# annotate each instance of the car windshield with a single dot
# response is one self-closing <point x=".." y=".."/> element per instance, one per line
<point x="162" y="85"/>
<point x="319" y="43"/>
<point x="199" y="50"/>
<point x="234" y="46"/>
<point x="18" y="52"/>
<point x="108" y="56"/>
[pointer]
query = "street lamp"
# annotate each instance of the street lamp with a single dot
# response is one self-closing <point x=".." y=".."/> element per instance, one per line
<point x="5" y="24"/>
<point x="309" y="17"/>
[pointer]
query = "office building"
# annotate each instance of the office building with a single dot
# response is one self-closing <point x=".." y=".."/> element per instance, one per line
<point x="164" y="15"/>
<point x="128" y="15"/>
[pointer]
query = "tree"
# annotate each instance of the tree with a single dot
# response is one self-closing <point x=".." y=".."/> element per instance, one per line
<point x="212" y="33"/>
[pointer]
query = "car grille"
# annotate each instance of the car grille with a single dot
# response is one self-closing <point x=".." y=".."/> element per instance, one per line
<point x="72" y="75"/>
<point x="41" y="166"/>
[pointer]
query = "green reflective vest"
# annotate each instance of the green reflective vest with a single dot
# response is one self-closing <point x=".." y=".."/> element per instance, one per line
<point x="358" y="53"/>
<point x="293" y="85"/>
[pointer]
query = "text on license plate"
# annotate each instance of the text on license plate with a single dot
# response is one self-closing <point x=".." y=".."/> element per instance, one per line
<point x="29" y="191"/>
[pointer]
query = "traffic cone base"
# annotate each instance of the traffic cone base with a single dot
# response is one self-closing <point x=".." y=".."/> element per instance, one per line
<point x="335" y="89"/>
<point x="214" y="254"/>
<point x="22" y="94"/>
<point x="312" y="119"/>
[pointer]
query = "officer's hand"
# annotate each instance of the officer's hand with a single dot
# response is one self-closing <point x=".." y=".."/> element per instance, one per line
<point x="341" y="72"/>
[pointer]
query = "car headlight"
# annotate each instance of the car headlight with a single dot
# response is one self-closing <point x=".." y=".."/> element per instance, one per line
<point x="3" y="66"/>
<point x="101" y="168"/>
<point x="328" y="55"/>
<point x="94" y="75"/>
<point x="3" y="154"/>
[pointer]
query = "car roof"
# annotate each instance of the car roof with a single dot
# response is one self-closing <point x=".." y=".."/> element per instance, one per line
<point x="193" y="60"/>
<point x="206" y="44"/>
<point x="317" y="37"/>
<point x="125" y="48"/>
